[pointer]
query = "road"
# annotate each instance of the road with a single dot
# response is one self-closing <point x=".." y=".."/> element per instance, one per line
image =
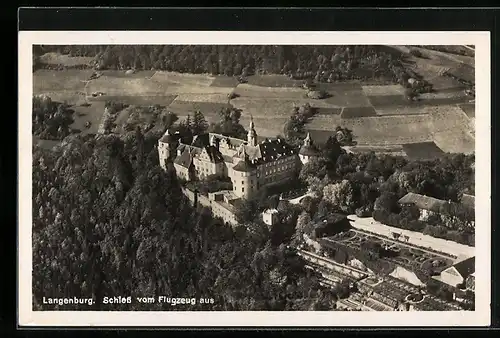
<point x="298" y="199"/>
<point x="416" y="238"/>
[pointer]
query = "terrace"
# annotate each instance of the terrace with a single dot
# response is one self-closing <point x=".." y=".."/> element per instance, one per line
<point x="407" y="256"/>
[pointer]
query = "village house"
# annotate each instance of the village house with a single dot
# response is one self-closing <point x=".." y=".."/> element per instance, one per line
<point x="457" y="274"/>
<point x="432" y="206"/>
<point x="270" y="216"/>
<point x="426" y="205"/>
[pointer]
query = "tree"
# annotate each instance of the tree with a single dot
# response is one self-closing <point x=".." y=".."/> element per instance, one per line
<point x="316" y="167"/>
<point x="331" y="152"/>
<point x="387" y="202"/>
<point x="340" y="195"/>
<point x="411" y="93"/>
<point x="199" y="125"/>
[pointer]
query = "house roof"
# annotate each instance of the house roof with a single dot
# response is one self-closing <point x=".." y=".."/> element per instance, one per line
<point x="184" y="160"/>
<point x="466" y="267"/>
<point x="422" y="201"/>
<point x="244" y="165"/>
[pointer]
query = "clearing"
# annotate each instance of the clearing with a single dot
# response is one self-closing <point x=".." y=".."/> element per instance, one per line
<point x="84" y="114"/>
<point x="64" y="60"/>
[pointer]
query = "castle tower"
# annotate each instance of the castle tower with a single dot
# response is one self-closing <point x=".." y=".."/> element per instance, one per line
<point x="166" y="148"/>
<point x="213" y="141"/>
<point x="252" y="134"/>
<point x="308" y="150"/>
<point x="244" y="177"/>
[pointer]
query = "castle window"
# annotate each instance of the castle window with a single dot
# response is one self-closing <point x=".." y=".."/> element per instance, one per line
<point x="242" y="189"/>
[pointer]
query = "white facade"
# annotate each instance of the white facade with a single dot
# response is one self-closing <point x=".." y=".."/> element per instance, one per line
<point x="270" y="216"/>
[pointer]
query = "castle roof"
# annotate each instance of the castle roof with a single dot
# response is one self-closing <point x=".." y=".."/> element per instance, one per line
<point x="230" y="140"/>
<point x="214" y="155"/>
<point x="168" y="137"/>
<point x="244" y="166"/>
<point x="200" y="141"/>
<point x="185" y="159"/>
<point x="270" y="150"/>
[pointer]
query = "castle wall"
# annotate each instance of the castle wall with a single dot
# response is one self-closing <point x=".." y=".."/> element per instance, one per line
<point x="163" y="154"/>
<point x="218" y="209"/>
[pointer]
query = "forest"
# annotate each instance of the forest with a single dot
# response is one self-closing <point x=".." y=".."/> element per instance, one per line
<point x="108" y="221"/>
<point x="323" y="63"/>
<point x="51" y="120"/>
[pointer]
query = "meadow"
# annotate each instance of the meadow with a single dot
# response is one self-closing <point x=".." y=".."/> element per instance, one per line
<point x="380" y="116"/>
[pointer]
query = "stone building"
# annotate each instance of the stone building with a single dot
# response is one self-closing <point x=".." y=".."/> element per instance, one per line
<point x="251" y="165"/>
<point x="270" y="216"/>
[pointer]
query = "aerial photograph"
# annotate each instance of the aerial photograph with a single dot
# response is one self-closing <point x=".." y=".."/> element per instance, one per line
<point x="253" y="178"/>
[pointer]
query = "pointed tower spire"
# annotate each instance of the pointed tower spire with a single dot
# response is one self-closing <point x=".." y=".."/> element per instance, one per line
<point x="307" y="140"/>
<point x="252" y="134"/>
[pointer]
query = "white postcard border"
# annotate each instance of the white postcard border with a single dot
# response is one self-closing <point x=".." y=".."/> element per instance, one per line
<point x="479" y="317"/>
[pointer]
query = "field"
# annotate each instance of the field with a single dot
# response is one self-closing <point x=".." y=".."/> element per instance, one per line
<point x="381" y="118"/>
<point x="355" y="112"/>
<point x="164" y="101"/>
<point x="469" y="109"/>
<point x="71" y="80"/>
<point x="383" y="90"/>
<point x="273" y="81"/>
<point x="422" y="150"/>
<point x="65" y="60"/>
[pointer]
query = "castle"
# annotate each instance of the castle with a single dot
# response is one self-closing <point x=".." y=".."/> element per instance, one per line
<point x="251" y="165"/>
